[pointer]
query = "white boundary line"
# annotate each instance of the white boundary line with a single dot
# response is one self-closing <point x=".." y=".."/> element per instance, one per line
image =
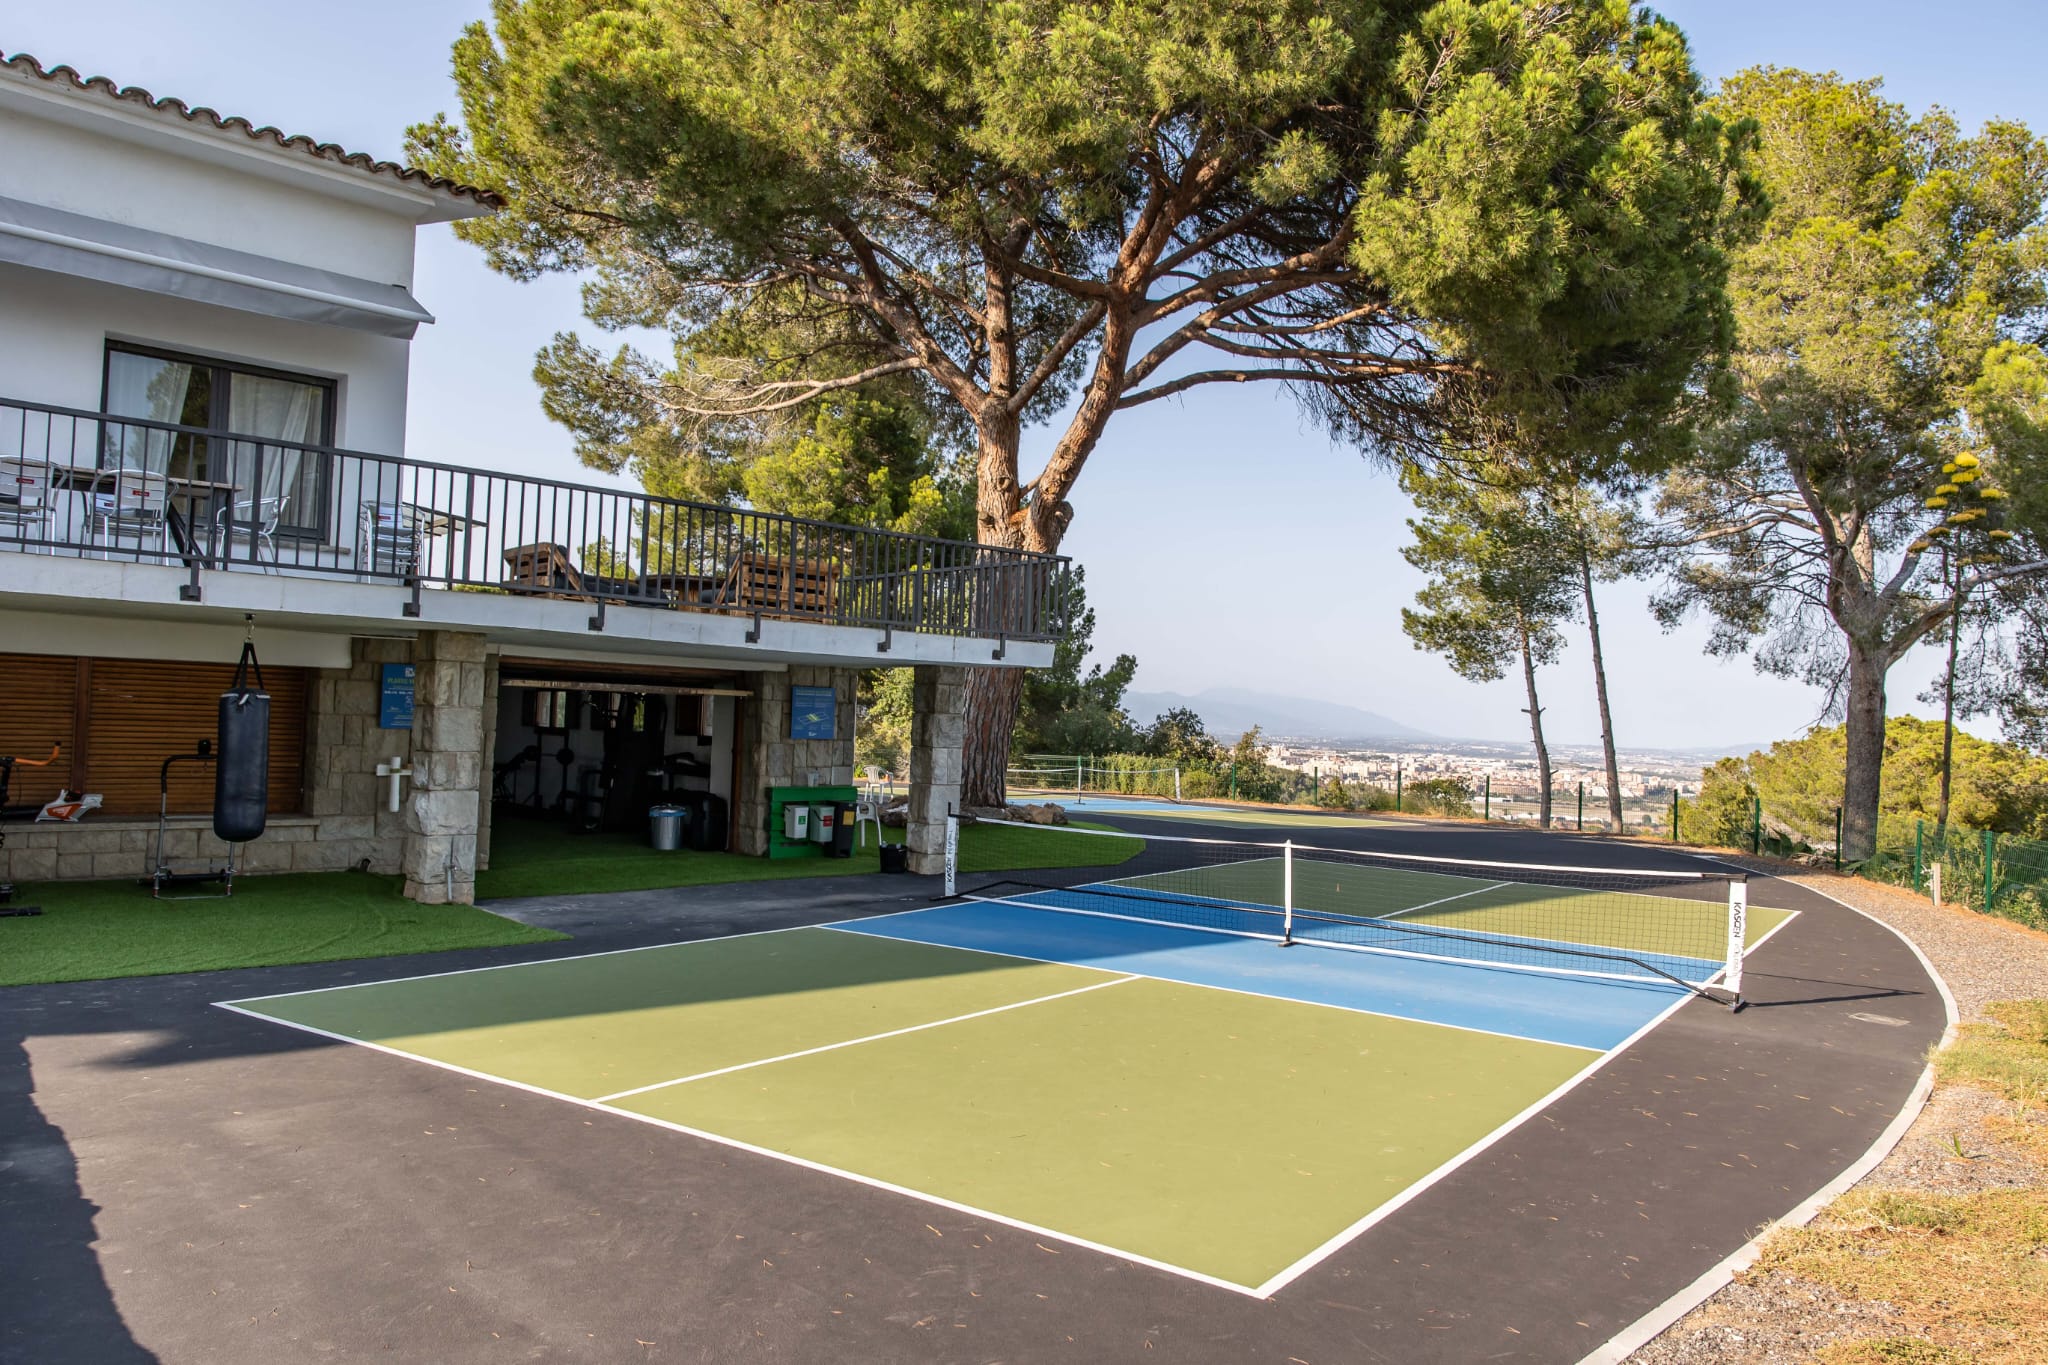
<point x="1324" y="917"/>
<point x="1445" y="900"/>
<point x="921" y="1196"/>
<point x="871" y="1038"/>
<point x="1266" y="1290"/>
<point x="535" y="961"/>
<point x="1394" y="1205"/>
<point x="843" y="928"/>
<point x="1654" y="1323"/>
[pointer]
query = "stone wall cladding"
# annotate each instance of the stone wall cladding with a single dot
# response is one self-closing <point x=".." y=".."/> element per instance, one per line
<point x="770" y="758"/>
<point x="938" y="732"/>
<point x="345" y="823"/>
<point x="444" y="805"/>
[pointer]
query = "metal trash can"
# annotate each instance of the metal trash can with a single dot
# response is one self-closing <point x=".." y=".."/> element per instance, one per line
<point x="665" y="827"/>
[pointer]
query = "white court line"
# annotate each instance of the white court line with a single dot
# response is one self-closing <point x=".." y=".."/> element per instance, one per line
<point x="530" y="962"/>
<point x="1575" y="973"/>
<point x="1409" y="1195"/>
<point x="921" y="1196"/>
<point x="845" y="927"/>
<point x="1409" y="910"/>
<point x="871" y="1038"/>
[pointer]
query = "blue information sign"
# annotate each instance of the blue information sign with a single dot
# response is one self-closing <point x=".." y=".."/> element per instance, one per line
<point x="394" y="698"/>
<point x="813" y="712"/>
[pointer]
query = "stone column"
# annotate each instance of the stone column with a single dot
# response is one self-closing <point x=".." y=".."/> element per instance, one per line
<point x="938" y="729"/>
<point x="448" y="766"/>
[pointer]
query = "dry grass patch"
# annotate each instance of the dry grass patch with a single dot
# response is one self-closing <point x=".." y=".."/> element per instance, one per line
<point x="1964" y="1276"/>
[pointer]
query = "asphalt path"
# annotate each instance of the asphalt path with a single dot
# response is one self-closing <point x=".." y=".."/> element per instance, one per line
<point x="183" y="1184"/>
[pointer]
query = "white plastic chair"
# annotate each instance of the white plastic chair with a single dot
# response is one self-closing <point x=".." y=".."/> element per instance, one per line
<point x="25" y="499"/>
<point x="137" y="502"/>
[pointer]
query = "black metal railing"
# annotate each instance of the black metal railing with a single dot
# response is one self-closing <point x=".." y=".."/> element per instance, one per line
<point x="89" y="484"/>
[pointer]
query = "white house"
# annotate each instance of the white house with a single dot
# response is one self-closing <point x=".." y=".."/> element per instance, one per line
<point x="204" y="337"/>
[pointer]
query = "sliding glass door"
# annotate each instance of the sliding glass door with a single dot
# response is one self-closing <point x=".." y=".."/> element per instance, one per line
<point x="257" y="424"/>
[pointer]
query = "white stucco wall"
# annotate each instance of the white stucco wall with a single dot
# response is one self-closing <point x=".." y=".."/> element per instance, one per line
<point x="88" y="169"/>
<point x="54" y="331"/>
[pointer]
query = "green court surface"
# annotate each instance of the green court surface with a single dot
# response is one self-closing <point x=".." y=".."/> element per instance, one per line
<point x="1662" y="924"/>
<point x="1219" y="1134"/>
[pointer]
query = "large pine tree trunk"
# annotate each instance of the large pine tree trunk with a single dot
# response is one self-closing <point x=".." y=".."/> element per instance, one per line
<point x="993" y="695"/>
<point x="1600" y="690"/>
<point x="1536" y="733"/>
<point x="1864" y="765"/>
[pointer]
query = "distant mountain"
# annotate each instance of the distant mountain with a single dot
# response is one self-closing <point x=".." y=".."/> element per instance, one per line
<point x="1228" y="712"/>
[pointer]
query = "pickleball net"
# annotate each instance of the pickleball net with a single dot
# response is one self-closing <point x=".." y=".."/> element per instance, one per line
<point x="1680" y="928"/>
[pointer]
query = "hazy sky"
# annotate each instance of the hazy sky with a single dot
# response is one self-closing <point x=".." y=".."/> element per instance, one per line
<point x="1227" y="542"/>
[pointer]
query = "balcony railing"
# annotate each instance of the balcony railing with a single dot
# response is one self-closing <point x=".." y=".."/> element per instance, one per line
<point x="88" y="484"/>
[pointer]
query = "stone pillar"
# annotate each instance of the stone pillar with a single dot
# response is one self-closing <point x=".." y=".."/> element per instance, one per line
<point x="770" y="758"/>
<point x="938" y="729"/>
<point x="488" y="747"/>
<point x="448" y="766"/>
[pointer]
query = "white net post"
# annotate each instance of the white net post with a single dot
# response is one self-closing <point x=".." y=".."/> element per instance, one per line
<point x="1738" y="936"/>
<point x="952" y="852"/>
<point x="1287" y="892"/>
<point x="1079" y="784"/>
<point x="1176" y="784"/>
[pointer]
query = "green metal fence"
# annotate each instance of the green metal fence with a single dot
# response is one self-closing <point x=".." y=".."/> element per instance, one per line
<point x="1999" y="874"/>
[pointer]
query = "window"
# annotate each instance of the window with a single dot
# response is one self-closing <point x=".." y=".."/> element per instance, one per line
<point x="270" y="478"/>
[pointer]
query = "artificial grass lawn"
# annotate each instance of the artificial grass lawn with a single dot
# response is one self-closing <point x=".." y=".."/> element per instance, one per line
<point x="90" y="930"/>
<point x="544" y="858"/>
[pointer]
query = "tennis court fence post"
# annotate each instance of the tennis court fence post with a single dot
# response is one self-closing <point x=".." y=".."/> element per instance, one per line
<point x="952" y="851"/>
<point x="1287" y="892"/>
<point x="1176" y="784"/>
<point x="1738" y="937"/>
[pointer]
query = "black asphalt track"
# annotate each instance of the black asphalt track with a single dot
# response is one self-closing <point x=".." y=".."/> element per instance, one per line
<point x="182" y="1184"/>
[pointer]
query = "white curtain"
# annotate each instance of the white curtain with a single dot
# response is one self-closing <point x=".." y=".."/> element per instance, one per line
<point x="146" y="387"/>
<point x="283" y="410"/>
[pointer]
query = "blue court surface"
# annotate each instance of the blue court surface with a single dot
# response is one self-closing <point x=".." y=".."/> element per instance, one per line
<point x="1573" y="1011"/>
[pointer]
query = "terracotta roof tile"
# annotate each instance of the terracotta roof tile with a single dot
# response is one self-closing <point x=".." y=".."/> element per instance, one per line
<point x="25" y="64"/>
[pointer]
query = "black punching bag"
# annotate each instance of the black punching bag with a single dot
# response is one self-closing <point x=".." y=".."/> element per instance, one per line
<point x="241" y="781"/>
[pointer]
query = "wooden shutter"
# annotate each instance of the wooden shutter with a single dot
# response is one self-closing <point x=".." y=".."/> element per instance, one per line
<point x="38" y="698"/>
<point x="139" y="712"/>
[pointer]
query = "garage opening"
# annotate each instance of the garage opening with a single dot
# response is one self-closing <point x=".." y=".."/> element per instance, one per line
<point x="595" y="748"/>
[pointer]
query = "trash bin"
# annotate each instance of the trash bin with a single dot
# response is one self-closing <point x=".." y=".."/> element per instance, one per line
<point x="843" y="832"/>
<point x="895" y="858"/>
<point x="824" y="816"/>
<point x="665" y="827"/>
<point x="796" y="821"/>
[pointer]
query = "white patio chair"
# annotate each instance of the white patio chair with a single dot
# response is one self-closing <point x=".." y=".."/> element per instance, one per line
<point x="25" y="500"/>
<point x="134" y="502"/>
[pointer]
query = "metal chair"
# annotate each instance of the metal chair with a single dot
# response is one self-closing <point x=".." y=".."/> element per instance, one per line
<point x="390" y="540"/>
<point x="255" y="518"/>
<point x="25" y="499"/>
<point x="136" y="502"/>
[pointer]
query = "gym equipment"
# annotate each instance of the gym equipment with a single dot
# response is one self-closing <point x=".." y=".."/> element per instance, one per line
<point x="161" y="872"/>
<point x="23" y="812"/>
<point x="241" y="779"/>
